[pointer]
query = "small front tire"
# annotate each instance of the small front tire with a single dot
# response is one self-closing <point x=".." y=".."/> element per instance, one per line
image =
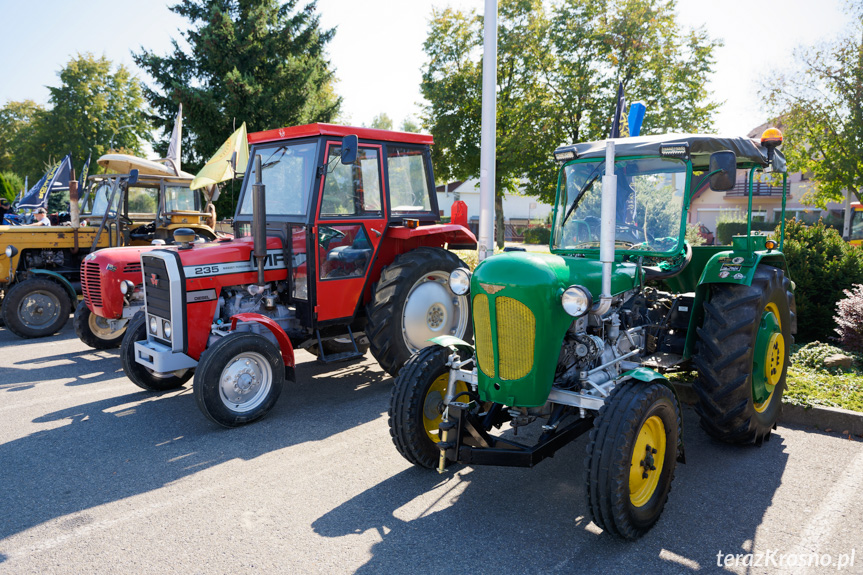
<point x="140" y="375"/>
<point x="94" y="330"/>
<point x="239" y="379"/>
<point x="36" y="307"/>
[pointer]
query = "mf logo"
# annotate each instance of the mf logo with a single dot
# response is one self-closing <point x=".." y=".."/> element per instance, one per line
<point x="154" y="280"/>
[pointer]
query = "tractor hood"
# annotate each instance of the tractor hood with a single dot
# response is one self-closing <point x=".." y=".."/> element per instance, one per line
<point x="519" y="322"/>
<point x="222" y="258"/>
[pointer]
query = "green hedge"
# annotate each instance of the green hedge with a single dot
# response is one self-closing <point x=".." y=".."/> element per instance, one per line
<point x="538" y="235"/>
<point x="725" y="230"/>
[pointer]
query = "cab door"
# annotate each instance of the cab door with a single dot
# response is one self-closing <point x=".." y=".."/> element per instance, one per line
<point x="349" y="224"/>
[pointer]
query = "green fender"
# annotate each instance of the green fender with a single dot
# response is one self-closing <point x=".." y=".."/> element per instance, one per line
<point x="453" y="343"/>
<point x="647" y="375"/>
<point x="73" y="295"/>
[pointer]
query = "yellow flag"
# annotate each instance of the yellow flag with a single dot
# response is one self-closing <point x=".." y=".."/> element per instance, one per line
<point x="219" y="168"/>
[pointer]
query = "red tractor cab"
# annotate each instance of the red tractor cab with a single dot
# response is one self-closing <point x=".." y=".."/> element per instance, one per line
<point x="337" y="250"/>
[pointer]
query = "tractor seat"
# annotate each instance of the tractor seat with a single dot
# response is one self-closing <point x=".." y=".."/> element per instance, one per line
<point x="349" y="254"/>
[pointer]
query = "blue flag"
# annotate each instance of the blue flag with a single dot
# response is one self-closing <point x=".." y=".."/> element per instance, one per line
<point x="57" y="178"/>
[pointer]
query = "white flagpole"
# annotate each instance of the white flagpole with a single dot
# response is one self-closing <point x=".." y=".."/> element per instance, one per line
<point x="489" y="126"/>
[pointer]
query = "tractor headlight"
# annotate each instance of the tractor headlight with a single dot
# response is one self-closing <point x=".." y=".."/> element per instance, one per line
<point x="126" y="287"/>
<point x="459" y="281"/>
<point x="576" y="300"/>
<point x="11" y="251"/>
<point x="166" y="329"/>
<point x="154" y="325"/>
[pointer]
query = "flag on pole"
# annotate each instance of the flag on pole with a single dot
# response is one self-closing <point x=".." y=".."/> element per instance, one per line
<point x="619" y="120"/>
<point x="82" y="181"/>
<point x="57" y="178"/>
<point x="172" y="158"/>
<point x="230" y="159"/>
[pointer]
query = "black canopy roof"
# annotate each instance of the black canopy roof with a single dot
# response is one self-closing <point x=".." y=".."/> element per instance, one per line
<point x="701" y="146"/>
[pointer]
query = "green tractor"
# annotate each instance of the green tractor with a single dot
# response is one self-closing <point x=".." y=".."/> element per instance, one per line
<point x="578" y="340"/>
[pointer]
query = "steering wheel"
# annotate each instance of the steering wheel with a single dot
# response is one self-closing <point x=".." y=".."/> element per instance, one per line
<point x="328" y="234"/>
<point x="113" y="214"/>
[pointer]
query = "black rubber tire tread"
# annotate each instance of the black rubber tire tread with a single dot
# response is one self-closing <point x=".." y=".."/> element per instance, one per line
<point x="19" y="291"/>
<point x="332" y="346"/>
<point x="406" y="405"/>
<point x="609" y="457"/>
<point x="724" y="355"/>
<point x="388" y="299"/>
<point x="81" y="323"/>
<point x="209" y="370"/>
<point x="137" y="373"/>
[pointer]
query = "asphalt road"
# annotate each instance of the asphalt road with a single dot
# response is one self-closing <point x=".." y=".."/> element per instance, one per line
<point x="97" y="476"/>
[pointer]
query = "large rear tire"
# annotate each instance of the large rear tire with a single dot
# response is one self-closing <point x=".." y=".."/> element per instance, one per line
<point x="412" y="303"/>
<point x="94" y="330"/>
<point x="239" y="379"/>
<point x="416" y="405"/>
<point x="140" y="375"/>
<point x="742" y="356"/>
<point x="36" y="307"/>
<point x="631" y="458"/>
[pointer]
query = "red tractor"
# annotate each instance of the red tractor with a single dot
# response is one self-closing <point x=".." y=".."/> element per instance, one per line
<point x="337" y="250"/>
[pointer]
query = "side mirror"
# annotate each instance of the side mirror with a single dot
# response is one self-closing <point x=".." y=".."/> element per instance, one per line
<point x="349" y="149"/>
<point x="723" y="170"/>
<point x="133" y="177"/>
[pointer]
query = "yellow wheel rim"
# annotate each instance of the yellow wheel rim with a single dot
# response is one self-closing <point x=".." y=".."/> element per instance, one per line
<point x="774" y="360"/>
<point x="433" y="404"/>
<point x="648" y="456"/>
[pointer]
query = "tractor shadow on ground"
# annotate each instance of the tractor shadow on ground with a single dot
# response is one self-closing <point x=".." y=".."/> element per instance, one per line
<point x="107" y="450"/>
<point x="511" y="520"/>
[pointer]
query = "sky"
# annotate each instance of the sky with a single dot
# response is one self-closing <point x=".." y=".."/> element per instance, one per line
<point x="377" y="50"/>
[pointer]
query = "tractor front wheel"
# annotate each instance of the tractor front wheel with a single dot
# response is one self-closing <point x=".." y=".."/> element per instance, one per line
<point x="142" y="376"/>
<point x="239" y="379"/>
<point x="742" y="356"/>
<point x="94" y="330"/>
<point x="36" y="307"/>
<point x="631" y="458"/>
<point x="416" y="405"/>
<point x="412" y="303"/>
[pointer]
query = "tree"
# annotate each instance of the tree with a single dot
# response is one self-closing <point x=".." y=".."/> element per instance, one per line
<point x="558" y="75"/>
<point x="19" y="151"/>
<point x="10" y="185"/>
<point x="382" y="122"/>
<point x="820" y="107"/>
<point x="261" y="61"/>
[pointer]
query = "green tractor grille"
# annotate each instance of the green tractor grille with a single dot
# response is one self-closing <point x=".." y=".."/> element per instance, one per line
<point x="516" y="334"/>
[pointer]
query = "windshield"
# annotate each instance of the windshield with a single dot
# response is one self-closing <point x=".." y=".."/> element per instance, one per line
<point x="649" y="205"/>
<point x="857" y="224"/>
<point x="287" y="173"/>
<point x="180" y="198"/>
<point x="97" y="200"/>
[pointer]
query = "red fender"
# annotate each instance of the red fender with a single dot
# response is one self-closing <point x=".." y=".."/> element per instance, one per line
<point x="283" y="339"/>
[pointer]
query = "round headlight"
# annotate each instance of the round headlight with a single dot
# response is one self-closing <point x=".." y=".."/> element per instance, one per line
<point x="576" y="301"/>
<point x="154" y="325"/>
<point x="11" y="251"/>
<point x="126" y="287"/>
<point x="166" y="329"/>
<point x="459" y="281"/>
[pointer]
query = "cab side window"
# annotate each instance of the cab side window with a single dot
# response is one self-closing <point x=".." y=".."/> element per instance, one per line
<point x="409" y="190"/>
<point x="352" y="189"/>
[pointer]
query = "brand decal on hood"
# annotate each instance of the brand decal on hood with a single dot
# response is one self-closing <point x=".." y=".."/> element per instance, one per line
<point x="275" y="260"/>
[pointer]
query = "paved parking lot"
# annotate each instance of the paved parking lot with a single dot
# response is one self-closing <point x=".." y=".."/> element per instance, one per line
<point x="97" y="476"/>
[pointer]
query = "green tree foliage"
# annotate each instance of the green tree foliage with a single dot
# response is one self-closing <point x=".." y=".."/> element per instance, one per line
<point x="382" y="122"/>
<point x="10" y="185"/>
<point x="820" y="105"/>
<point x="93" y="109"/>
<point x="822" y="266"/>
<point x="258" y="61"/>
<point x="558" y="73"/>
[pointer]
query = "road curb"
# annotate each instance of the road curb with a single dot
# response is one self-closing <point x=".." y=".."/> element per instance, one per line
<point x="833" y="418"/>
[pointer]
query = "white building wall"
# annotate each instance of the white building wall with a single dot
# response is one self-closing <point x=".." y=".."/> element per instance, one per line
<point x="514" y="206"/>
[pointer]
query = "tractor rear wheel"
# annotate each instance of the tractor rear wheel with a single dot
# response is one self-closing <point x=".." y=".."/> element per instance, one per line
<point x="412" y="303"/>
<point x="742" y="356"/>
<point x="416" y="405"/>
<point x="239" y="379"/>
<point x="631" y="458"/>
<point x="94" y="330"/>
<point x="140" y="375"/>
<point x="36" y="307"/>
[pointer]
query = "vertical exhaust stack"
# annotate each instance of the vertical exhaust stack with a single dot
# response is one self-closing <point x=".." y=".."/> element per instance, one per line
<point x="608" y="217"/>
<point x="259" y="220"/>
<point x="74" y="213"/>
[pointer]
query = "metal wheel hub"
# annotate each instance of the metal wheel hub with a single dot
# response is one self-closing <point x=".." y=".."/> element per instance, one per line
<point x="245" y="381"/>
<point x="101" y="328"/>
<point x="431" y="310"/>
<point x="38" y="309"/>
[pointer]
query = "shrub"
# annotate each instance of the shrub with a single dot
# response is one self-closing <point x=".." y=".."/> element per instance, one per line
<point x="537" y="235"/>
<point x="692" y="235"/>
<point x="812" y="355"/>
<point x="725" y="230"/>
<point x="849" y="319"/>
<point x="822" y="266"/>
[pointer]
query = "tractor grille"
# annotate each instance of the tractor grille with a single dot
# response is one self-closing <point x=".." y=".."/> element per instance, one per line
<point x="482" y="334"/>
<point x="516" y="335"/>
<point x="516" y="332"/>
<point x="91" y="284"/>
<point x="132" y="268"/>
<point x="157" y="287"/>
